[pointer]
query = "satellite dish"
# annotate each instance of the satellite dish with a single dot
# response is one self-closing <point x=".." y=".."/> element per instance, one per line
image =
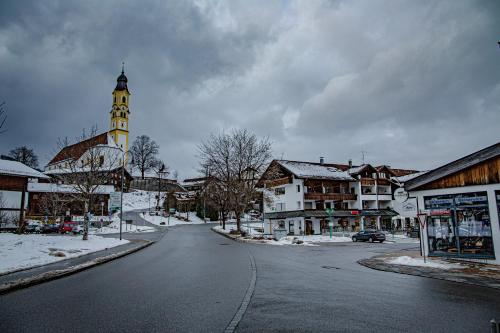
<point x="400" y="195"/>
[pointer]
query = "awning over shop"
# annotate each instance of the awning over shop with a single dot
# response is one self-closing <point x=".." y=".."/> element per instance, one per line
<point x="323" y="214"/>
<point x="378" y="212"/>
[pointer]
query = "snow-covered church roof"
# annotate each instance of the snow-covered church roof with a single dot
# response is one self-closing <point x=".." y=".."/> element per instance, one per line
<point x="314" y="170"/>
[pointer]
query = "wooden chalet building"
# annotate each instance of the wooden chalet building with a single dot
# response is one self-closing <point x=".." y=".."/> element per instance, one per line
<point x="298" y="194"/>
<point x="14" y="180"/>
<point x="461" y="201"/>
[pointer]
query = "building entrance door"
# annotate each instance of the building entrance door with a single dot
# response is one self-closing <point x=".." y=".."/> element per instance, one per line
<point x="309" y="227"/>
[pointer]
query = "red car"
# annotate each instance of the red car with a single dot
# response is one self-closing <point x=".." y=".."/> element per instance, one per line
<point x="67" y="226"/>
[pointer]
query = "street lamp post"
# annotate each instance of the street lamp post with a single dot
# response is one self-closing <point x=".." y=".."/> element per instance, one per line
<point x="160" y="172"/>
<point x="121" y="193"/>
<point x="329" y="211"/>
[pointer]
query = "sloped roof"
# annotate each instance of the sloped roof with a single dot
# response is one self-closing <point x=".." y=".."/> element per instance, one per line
<point x="66" y="188"/>
<point x="75" y="151"/>
<point x="314" y="170"/>
<point x="405" y="178"/>
<point x="402" y="172"/>
<point x="15" y="168"/>
<point x="358" y="169"/>
<point x="455" y="166"/>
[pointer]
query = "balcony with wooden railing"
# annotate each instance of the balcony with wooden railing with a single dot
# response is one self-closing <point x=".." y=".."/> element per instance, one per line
<point x="329" y="196"/>
<point x="367" y="182"/>
<point x="278" y="182"/>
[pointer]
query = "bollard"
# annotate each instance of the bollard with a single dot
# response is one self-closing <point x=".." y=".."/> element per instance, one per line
<point x="494" y="328"/>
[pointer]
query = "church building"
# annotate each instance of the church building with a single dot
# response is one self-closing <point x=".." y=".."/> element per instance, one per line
<point x="120" y="112"/>
<point x="113" y="143"/>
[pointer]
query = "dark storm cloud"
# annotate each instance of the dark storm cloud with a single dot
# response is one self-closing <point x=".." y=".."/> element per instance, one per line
<point x="413" y="83"/>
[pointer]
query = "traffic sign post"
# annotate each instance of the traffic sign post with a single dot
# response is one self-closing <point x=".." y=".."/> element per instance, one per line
<point x="329" y="211"/>
<point x="170" y="211"/>
<point x="422" y="219"/>
<point x="114" y="200"/>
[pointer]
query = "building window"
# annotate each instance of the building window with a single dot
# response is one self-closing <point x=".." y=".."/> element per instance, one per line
<point x="101" y="160"/>
<point x="124" y="99"/>
<point x="291" y="228"/>
<point x="299" y="205"/>
<point x="308" y="205"/>
<point x="279" y="190"/>
<point x="280" y="207"/>
<point x="459" y="225"/>
<point x="298" y="188"/>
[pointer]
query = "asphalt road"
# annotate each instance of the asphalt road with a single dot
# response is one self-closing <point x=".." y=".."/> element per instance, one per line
<point x="193" y="280"/>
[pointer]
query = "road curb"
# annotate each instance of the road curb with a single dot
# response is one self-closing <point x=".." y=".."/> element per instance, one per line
<point x="452" y="276"/>
<point x="56" y="274"/>
<point x="231" y="237"/>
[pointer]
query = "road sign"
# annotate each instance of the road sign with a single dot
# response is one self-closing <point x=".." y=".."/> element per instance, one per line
<point x="172" y="210"/>
<point x="400" y="195"/>
<point x="114" y="200"/>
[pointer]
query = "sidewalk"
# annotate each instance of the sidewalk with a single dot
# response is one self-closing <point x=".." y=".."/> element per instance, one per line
<point x="31" y="276"/>
<point x="411" y="263"/>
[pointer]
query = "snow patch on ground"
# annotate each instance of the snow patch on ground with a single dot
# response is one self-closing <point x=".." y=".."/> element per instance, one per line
<point x="23" y="251"/>
<point x="431" y="263"/>
<point x="140" y="200"/>
<point x="114" y="228"/>
<point x="174" y="220"/>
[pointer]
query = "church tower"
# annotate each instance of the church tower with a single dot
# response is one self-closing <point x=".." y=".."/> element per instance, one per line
<point x="120" y="113"/>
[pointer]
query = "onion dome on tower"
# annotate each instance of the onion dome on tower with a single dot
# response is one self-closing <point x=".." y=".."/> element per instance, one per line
<point x="121" y="81"/>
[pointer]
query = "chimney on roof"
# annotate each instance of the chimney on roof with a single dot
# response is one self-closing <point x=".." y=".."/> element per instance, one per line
<point x="350" y="163"/>
<point x="321" y="160"/>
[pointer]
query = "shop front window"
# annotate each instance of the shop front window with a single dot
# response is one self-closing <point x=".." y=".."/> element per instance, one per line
<point x="459" y="225"/>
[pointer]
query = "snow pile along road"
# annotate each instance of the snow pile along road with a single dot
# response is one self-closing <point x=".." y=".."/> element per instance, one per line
<point x="114" y="228"/>
<point x="174" y="220"/>
<point x="431" y="263"/>
<point x="23" y="251"/>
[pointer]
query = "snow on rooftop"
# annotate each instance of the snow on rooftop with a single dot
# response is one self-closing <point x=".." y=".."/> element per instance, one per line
<point x="403" y="179"/>
<point x="66" y="188"/>
<point x="313" y="170"/>
<point x="15" y="168"/>
<point x="356" y="170"/>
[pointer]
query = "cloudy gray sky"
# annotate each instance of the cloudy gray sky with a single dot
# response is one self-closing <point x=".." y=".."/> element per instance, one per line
<point x="413" y="83"/>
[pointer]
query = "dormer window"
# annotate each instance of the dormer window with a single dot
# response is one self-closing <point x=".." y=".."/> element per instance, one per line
<point x="124" y="99"/>
<point x="114" y="99"/>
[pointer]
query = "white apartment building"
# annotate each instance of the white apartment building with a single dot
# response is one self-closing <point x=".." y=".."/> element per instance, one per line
<point x="300" y="194"/>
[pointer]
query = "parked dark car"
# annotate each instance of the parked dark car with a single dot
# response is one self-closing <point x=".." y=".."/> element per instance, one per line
<point x="369" y="235"/>
<point x="50" y="228"/>
<point x="33" y="228"/>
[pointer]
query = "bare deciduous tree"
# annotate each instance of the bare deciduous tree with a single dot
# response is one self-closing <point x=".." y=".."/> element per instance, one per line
<point x="25" y="155"/>
<point x="143" y="153"/>
<point x="3" y="118"/>
<point x="88" y="172"/>
<point x="216" y="194"/>
<point x="54" y="204"/>
<point x="236" y="160"/>
<point x="3" y="215"/>
<point x="161" y="171"/>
